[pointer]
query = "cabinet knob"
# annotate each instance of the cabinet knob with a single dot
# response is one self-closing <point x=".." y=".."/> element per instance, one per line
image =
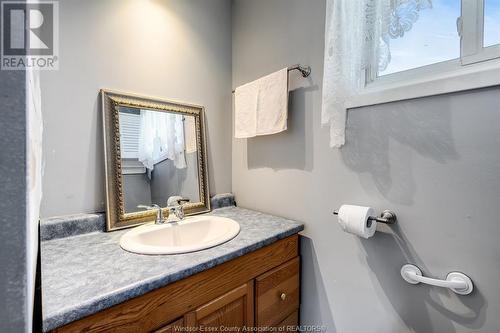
<point x="283" y="296"/>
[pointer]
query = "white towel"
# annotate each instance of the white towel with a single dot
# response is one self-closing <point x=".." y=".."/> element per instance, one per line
<point x="261" y="106"/>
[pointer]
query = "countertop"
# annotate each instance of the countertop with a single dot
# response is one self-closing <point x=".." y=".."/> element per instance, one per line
<point x="84" y="274"/>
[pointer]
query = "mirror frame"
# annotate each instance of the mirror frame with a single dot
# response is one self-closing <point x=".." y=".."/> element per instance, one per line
<point x="116" y="217"/>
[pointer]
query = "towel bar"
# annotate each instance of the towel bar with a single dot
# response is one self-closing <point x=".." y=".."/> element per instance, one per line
<point x="304" y="70"/>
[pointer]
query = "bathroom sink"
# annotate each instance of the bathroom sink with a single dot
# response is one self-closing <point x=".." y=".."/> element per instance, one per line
<point x="191" y="234"/>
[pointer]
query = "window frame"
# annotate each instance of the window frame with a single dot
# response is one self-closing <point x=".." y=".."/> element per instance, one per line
<point x="477" y="67"/>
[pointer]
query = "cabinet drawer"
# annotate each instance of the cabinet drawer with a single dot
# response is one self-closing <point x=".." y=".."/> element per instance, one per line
<point x="289" y="324"/>
<point x="277" y="293"/>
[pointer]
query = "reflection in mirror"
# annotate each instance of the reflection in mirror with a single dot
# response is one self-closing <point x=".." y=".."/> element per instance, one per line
<point x="155" y="154"/>
<point x="159" y="157"/>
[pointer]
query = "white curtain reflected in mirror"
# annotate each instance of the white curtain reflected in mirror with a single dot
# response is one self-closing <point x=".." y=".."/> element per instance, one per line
<point x="161" y="136"/>
<point x="159" y="159"/>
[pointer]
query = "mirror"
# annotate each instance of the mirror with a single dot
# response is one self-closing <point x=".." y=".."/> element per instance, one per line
<point x="158" y="154"/>
<point x="155" y="151"/>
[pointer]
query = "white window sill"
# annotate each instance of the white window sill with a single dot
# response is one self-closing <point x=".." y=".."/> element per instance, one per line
<point x="451" y="77"/>
<point x="132" y="167"/>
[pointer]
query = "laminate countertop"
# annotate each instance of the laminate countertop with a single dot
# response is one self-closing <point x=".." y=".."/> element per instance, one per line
<point x="87" y="273"/>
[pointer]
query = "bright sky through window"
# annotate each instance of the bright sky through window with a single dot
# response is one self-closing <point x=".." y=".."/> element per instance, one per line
<point x="432" y="39"/>
<point x="491" y="22"/>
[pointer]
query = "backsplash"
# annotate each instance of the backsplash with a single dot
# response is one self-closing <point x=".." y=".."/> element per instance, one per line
<point x="71" y="225"/>
<point x="222" y="200"/>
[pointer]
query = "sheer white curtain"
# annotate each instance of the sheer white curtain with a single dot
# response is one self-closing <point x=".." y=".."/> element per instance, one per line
<point x="357" y="46"/>
<point x="34" y="172"/>
<point x="161" y="136"/>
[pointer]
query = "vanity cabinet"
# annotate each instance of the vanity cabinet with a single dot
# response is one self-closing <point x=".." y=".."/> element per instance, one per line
<point x="261" y="288"/>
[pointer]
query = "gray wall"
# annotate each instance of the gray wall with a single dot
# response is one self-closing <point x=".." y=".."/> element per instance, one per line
<point x="435" y="161"/>
<point x="15" y="302"/>
<point x="137" y="191"/>
<point x="174" y="49"/>
<point x="168" y="180"/>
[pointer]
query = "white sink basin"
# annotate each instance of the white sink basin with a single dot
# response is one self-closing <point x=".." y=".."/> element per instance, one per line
<point x="191" y="234"/>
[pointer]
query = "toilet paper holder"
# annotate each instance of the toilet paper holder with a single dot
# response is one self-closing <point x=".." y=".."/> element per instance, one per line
<point x="387" y="217"/>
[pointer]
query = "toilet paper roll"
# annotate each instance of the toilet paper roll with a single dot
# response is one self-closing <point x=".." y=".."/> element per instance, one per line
<point x="354" y="220"/>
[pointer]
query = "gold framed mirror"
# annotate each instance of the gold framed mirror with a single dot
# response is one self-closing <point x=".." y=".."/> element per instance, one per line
<point x="155" y="150"/>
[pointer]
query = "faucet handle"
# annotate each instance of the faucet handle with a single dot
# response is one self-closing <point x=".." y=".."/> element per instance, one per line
<point x="159" y="212"/>
<point x="175" y="209"/>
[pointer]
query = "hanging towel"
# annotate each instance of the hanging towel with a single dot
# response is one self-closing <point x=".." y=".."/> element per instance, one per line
<point x="261" y="106"/>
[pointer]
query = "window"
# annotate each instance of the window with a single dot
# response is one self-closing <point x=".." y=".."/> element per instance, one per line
<point x="491" y="22"/>
<point x="129" y="141"/>
<point x="434" y="39"/>
<point x="129" y="133"/>
<point x="480" y="22"/>
<point x="379" y="51"/>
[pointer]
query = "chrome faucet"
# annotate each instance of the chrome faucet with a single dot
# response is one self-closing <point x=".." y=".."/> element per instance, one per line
<point x="176" y="210"/>
<point x="159" y="213"/>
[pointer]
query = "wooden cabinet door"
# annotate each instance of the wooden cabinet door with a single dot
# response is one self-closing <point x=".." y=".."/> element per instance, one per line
<point x="289" y="324"/>
<point x="229" y="312"/>
<point x="176" y="326"/>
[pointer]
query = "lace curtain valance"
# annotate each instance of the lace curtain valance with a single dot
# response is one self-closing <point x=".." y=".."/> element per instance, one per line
<point x="357" y="39"/>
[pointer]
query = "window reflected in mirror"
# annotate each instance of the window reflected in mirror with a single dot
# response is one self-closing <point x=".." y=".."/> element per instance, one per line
<point x="159" y="157"/>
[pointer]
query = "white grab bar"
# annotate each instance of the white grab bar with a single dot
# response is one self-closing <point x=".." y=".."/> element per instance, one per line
<point x="456" y="281"/>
